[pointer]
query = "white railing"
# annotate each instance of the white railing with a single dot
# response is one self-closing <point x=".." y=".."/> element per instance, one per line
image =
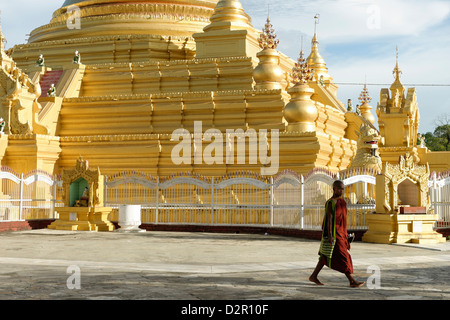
<point x="241" y="198"/>
<point x="32" y="196"/>
<point x="439" y="185"/>
<point x="287" y="200"/>
<point x="301" y="199"/>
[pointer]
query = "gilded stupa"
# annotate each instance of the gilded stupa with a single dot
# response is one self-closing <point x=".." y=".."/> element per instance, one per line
<point x="129" y="73"/>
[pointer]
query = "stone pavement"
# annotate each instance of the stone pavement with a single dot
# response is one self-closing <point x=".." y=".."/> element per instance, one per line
<point x="62" y="265"/>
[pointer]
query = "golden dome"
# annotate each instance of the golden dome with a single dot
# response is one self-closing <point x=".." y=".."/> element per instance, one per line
<point x="127" y="17"/>
<point x="301" y="112"/>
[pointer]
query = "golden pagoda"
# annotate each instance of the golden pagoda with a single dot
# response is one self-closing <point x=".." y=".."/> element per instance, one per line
<point x="128" y="74"/>
<point x="398" y="121"/>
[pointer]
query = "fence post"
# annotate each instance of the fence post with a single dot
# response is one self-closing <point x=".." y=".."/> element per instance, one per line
<point x="157" y="200"/>
<point x="54" y="197"/>
<point x="271" y="201"/>
<point x="21" y="197"/>
<point x="212" y="200"/>
<point x="434" y="197"/>
<point x="105" y="186"/>
<point x="302" y="201"/>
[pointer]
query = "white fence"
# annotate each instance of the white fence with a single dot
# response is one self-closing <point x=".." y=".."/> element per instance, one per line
<point x="241" y="198"/>
<point x="439" y="185"/>
<point x="299" y="201"/>
<point x="32" y="196"/>
<point x="287" y="200"/>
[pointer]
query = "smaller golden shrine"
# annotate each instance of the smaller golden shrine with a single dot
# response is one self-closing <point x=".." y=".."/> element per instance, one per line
<point x="403" y="212"/>
<point x="83" y="195"/>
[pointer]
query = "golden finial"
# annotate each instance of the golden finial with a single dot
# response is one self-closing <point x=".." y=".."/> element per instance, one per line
<point x="315" y="60"/>
<point x="268" y="38"/>
<point x="365" y="97"/>
<point x="397" y="86"/>
<point x="316" y="22"/>
<point x="397" y="72"/>
<point x="302" y="73"/>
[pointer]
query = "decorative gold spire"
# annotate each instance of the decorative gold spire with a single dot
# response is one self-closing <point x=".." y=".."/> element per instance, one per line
<point x="365" y="108"/>
<point x="397" y="85"/>
<point x="268" y="38"/>
<point x="268" y="74"/>
<point x="315" y="60"/>
<point x="365" y="97"/>
<point x="302" y="73"/>
<point x="301" y="112"/>
<point x="230" y="33"/>
<point x="397" y="70"/>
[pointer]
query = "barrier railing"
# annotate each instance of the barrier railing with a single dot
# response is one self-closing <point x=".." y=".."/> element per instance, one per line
<point x="287" y="200"/>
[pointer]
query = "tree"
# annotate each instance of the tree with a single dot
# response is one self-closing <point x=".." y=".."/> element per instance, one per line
<point x="439" y="140"/>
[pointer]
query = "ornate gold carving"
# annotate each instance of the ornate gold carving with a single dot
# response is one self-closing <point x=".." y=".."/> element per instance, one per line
<point x="365" y="97"/>
<point x="367" y="155"/>
<point x="398" y="116"/>
<point x="20" y="100"/>
<point x="145" y="12"/>
<point x="365" y="108"/>
<point x="394" y="175"/>
<point x="93" y="178"/>
<point x="268" y="38"/>
<point x="148" y="10"/>
<point x="302" y="73"/>
<point x="268" y="74"/>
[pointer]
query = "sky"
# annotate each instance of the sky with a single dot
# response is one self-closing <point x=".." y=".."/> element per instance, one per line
<point x="357" y="39"/>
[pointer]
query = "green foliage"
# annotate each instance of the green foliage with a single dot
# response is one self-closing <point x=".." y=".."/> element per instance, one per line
<point x="439" y="140"/>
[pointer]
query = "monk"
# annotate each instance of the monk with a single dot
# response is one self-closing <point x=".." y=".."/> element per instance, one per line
<point x="334" y="245"/>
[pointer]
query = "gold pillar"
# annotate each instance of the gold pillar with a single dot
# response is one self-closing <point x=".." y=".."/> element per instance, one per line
<point x="27" y="152"/>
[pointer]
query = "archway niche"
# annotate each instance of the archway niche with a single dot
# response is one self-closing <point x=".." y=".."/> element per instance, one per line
<point x="403" y="212"/>
<point x="78" y="191"/>
<point x="83" y="194"/>
<point x="408" y="193"/>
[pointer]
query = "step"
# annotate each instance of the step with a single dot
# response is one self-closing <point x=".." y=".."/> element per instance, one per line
<point x="49" y="78"/>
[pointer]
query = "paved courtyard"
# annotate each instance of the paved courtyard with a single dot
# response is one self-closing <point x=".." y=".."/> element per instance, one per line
<point x="59" y="265"/>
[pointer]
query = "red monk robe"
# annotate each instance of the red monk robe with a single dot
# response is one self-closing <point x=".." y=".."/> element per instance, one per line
<point x="340" y="260"/>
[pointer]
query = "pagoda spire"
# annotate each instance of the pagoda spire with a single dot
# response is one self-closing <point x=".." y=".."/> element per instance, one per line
<point x="365" y="108"/>
<point x="397" y="86"/>
<point x="230" y="33"/>
<point x="268" y="73"/>
<point x="365" y="97"/>
<point x="229" y="14"/>
<point x="302" y="73"/>
<point x="301" y="111"/>
<point x="268" y="38"/>
<point x="315" y="60"/>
